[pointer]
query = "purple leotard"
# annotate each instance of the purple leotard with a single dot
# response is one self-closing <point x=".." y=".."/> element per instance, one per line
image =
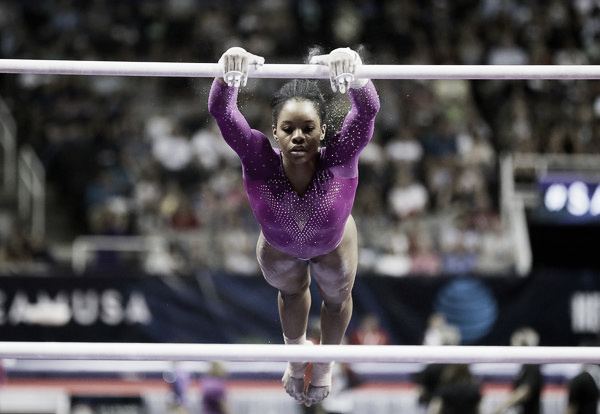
<point x="312" y="224"/>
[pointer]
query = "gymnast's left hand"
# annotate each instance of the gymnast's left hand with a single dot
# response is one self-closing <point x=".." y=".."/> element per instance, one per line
<point x="342" y="63"/>
<point x="235" y="62"/>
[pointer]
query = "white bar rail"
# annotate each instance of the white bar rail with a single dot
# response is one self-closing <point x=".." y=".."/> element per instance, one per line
<point x="275" y="352"/>
<point x="274" y="70"/>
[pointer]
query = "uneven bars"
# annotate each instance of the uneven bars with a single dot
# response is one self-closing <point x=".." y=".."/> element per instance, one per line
<point x="192" y="70"/>
<point x="280" y="353"/>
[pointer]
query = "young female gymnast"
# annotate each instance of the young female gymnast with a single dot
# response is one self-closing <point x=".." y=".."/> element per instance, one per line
<point x="302" y="195"/>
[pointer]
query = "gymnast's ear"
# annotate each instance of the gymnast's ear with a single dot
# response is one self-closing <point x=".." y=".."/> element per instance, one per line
<point x="323" y="130"/>
<point x="274" y="131"/>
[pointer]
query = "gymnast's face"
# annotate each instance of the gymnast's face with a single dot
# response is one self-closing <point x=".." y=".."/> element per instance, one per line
<point x="299" y="131"/>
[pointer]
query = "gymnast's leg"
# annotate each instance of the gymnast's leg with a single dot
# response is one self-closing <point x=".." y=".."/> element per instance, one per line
<point x="334" y="274"/>
<point x="290" y="276"/>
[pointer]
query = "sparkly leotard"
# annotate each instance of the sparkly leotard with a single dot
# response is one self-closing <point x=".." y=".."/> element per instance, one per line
<point x="312" y="224"/>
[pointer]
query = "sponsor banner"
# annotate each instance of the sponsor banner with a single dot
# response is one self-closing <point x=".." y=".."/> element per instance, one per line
<point x="563" y="306"/>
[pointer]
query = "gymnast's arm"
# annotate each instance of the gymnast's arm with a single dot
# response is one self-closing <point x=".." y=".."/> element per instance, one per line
<point x="248" y="143"/>
<point x="365" y="103"/>
<point x="345" y="146"/>
<point x="361" y="117"/>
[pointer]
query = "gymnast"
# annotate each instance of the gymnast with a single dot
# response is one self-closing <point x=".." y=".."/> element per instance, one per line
<point x="302" y="195"/>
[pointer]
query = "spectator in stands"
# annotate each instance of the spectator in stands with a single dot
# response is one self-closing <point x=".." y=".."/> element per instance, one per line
<point x="441" y="155"/>
<point x="3" y="375"/>
<point x="470" y="186"/>
<point x="169" y="260"/>
<point x="174" y="151"/>
<point x="393" y="259"/>
<point x="457" y="392"/>
<point x="514" y="127"/>
<point x="436" y="329"/>
<point x="429" y="378"/>
<point x="497" y="250"/>
<point x="146" y="197"/>
<point x="508" y="51"/>
<point x="525" y="396"/>
<point x="459" y="245"/>
<point x="475" y="145"/>
<point x="407" y="197"/>
<point x="64" y="116"/>
<point x="179" y="379"/>
<point x="109" y="183"/>
<point x="295" y="243"/>
<point x="459" y="259"/>
<point x="404" y="148"/>
<point x="210" y="149"/>
<point x="16" y="248"/>
<point x="584" y="389"/>
<point x="237" y="247"/>
<point x="213" y="390"/>
<point x="424" y="257"/>
<point x="184" y="217"/>
<point x="21" y="252"/>
<point x="369" y="332"/>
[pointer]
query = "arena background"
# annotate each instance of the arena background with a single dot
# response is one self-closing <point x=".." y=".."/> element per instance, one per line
<point x="122" y="216"/>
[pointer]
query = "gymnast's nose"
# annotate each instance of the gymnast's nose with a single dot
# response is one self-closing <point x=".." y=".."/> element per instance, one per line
<point x="298" y="136"/>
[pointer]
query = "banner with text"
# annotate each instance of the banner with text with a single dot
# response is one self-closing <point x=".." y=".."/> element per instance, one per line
<point x="564" y="307"/>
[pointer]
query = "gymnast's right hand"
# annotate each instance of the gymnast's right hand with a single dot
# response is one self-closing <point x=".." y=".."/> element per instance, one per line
<point x="235" y="62"/>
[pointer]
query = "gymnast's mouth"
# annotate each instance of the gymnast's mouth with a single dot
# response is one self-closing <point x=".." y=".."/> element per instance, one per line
<point x="298" y="149"/>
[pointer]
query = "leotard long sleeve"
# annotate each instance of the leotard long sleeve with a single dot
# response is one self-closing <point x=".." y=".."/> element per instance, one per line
<point x="312" y="224"/>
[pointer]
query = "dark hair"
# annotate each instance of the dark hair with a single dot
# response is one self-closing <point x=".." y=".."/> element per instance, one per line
<point x="308" y="90"/>
<point x="300" y="89"/>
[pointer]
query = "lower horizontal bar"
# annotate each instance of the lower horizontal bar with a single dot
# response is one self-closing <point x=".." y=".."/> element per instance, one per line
<point x="296" y="353"/>
<point x="181" y="69"/>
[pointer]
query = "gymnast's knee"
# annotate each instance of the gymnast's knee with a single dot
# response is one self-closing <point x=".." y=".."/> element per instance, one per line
<point x="337" y="302"/>
<point x="288" y="286"/>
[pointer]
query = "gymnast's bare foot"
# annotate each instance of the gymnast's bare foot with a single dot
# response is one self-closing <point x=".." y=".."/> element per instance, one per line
<point x="295" y="376"/>
<point x="315" y="394"/>
<point x="319" y="384"/>
<point x="293" y="383"/>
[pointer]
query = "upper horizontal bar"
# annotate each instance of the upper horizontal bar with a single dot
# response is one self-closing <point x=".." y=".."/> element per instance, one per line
<point x="280" y="353"/>
<point x="289" y="71"/>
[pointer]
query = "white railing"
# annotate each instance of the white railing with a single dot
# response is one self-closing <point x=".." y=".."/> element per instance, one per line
<point x="514" y="218"/>
<point x="541" y="164"/>
<point x="31" y="191"/>
<point x="519" y="173"/>
<point x="23" y="175"/>
<point x="528" y="168"/>
<point x="8" y="149"/>
<point x="85" y="247"/>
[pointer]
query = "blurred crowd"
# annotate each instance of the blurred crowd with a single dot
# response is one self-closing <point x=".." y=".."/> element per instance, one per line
<point x="141" y="155"/>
